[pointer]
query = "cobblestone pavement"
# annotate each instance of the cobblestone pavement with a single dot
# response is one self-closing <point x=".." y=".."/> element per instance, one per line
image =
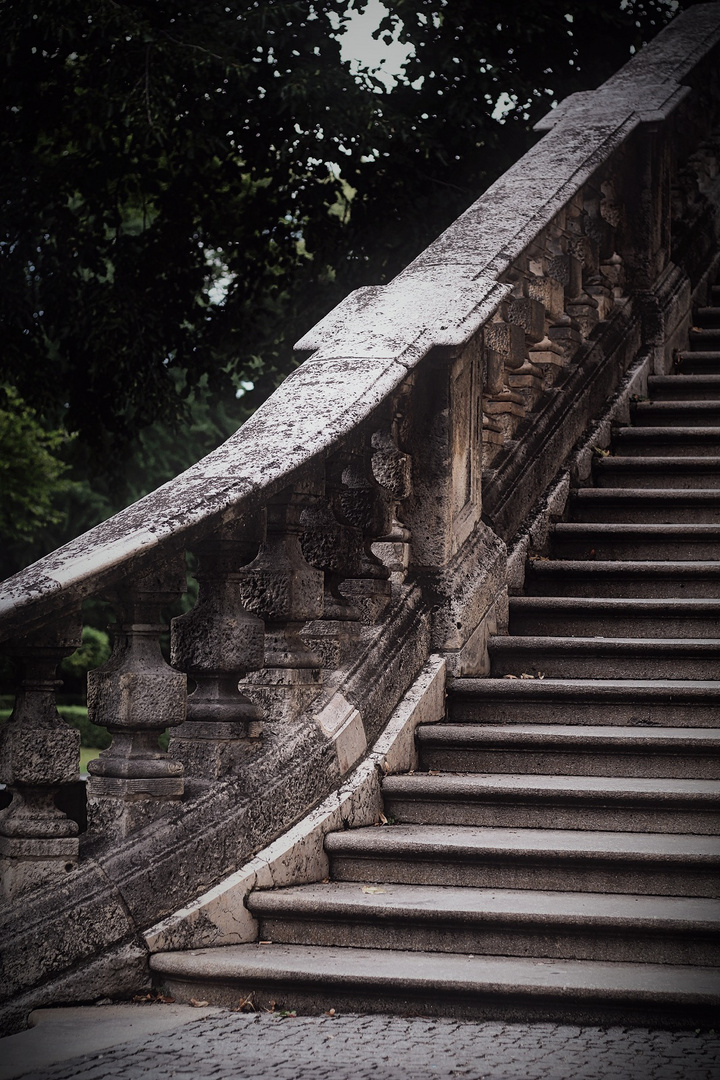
<point x="233" y="1046"/>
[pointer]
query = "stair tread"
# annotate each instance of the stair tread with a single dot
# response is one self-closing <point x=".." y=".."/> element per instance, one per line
<point x="657" y="464"/>
<point x="676" y="434"/>
<point x="602" y="528"/>
<point x="570" y="735"/>
<point x="581" y="689"/>
<point x="439" y="973"/>
<point x="621" y="605"/>
<point x="606" y="494"/>
<point x="477" y="842"/>
<point x="627" y="567"/>
<point x="605" y="645"/>
<point x="428" y="902"/>
<point x="612" y="787"/>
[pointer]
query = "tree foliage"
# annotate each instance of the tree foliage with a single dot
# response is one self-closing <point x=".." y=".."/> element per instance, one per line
<point x="158" y="149"/>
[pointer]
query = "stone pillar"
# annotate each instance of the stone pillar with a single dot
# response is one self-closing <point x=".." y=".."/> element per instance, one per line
<point x="136" y="696"/>
<point x="216" y="644"/>
<point x="335" y="547"/>
<point x="39" y="752"/>
<point x="281" y="588"/>
<point x="392" y="471"/>
<point x="361" y="504"/>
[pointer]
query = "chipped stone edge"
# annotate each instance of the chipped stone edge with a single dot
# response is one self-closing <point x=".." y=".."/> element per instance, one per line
<point x="219" y="916"/>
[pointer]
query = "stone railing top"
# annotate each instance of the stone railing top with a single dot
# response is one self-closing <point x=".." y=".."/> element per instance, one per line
<point x="364" y="348"/>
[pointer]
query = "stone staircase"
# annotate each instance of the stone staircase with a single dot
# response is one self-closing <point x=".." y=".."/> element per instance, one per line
<point x="557" y="857"/>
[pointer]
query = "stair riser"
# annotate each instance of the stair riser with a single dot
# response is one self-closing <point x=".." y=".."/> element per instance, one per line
<point x="641" y="713"/>
<point x="621" y="549"/>
<point x="705" y="338"/>
<point x="647" y="415"/>
<point x="551" y="941"/>
<point x="580" y="666"/>
<point x="499" y="1004"/>
<point x="639" y="586"/>
<point x="674" y="448"/>
<point x="610" y="475"/>
<point x="639" y="513"/>
<point x="698" y="365"/>
<point x="570" y="763"/>
<point x="553" y="873"/>
<point x="547" y="814"/>
<point x="677" y="389"/>
<point x="586" y="624"/>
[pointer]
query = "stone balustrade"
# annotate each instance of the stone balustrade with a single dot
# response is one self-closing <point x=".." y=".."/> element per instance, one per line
<point x="359" y="520"/>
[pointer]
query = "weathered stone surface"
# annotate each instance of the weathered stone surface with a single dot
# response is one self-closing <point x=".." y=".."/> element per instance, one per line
<point x="220" y="916"/>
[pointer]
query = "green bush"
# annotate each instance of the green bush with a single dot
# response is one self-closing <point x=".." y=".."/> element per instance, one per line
<point x="95" y="650"/>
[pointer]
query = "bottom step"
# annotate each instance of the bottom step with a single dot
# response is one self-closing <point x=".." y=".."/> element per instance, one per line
<point x="313" y="979"/>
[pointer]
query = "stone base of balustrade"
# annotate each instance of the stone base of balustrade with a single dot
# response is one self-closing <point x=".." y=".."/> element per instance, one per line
<point x="370" y="596"/>
<point x="118" y="806"/>
<point x="28" y="863"/>
<point x="333" y="640"/>
<point x="211" y="750"/>
<point x="283" y="694"/>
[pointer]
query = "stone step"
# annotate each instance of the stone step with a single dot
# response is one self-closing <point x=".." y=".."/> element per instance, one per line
<point x="705" y="316"/>
<point x="571" y="750"/>
<point x="698" y="362"/>
<point x="315" y="979"/>
<point x="505" y="922"/>
<point x="654" y="542"/>
<point x="600" y="577"/>
<point x="573" y="616"/>
<point x="704" y="337"/>
<point x="689" y="473"/>
<point x="632" y="703"/>
<point x="599" y="657"/>
<point x="640" y="506"/>
<point x="555" y="859"/>
<point x="685" y="387"/>
<point x="669" y="442"/>
<point x="676" y="414"/>
<point x="507" y="800"/>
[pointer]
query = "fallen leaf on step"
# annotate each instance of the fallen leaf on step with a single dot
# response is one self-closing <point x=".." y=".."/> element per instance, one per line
<point x="509" y="676"/>
<point x="330" y="1012"/>
<point x="198" y="1004"/>
<point x="373" y="889"/>
<point x="246" y="1005"/>
<point x="264" y="942"/>
<point x="382" y="819"/>
<point x="433" y="772"/>
<point x="525" y="675"/>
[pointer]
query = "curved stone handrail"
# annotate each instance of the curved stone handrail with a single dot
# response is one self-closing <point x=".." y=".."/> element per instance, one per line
<point x="364" y="348"/>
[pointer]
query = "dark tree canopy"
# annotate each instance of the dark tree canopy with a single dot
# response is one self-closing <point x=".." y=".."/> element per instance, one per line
<point x="152" y="146"/>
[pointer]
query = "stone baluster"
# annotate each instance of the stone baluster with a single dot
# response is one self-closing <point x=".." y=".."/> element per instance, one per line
<point x="528" y="313"/>
<point x="612" y="266"/>
<point x="599" y="231"/>
<point x="503" y="407"/>
<point x="362" y="504"/>
<point x="392" y="471"/>
<point x="216" y="644"/>
<point x="582" y="307"/>
<point x="39" y="753"/>
<point x="136" y="696"/>
<point x="335" y="547"/>
<point x="283" y="589"/>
